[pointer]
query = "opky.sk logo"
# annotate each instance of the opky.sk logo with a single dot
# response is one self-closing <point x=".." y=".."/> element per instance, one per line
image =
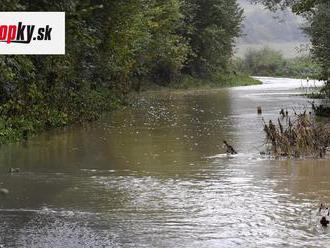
<point x="32" y="33"/>
<point x="21" y="33"/>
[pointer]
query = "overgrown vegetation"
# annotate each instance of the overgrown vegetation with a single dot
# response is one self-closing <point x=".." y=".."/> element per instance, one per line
<point x="321" y="110"/>
<point x="317" y="14"/>
<point x="220" y="80"/>
<point x="297" y="136"/>
<point x="269" y="62"/>
<point x="320" y="38"/>
<point x="111" y="48"/>
<point x="303" y="136"/>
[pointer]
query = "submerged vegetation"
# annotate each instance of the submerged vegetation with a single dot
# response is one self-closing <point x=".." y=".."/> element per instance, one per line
<point x="297" y="136"/>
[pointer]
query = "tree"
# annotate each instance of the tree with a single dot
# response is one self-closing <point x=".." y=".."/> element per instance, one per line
<point x="169" y="49"/>
<point x="298" y="6"/>
<point x="264" y="62"/>
<point x="320" y="37"/>
<point x="216" y="25"/>
<point x="111" y="47"/>
<point x="317" y="14"/>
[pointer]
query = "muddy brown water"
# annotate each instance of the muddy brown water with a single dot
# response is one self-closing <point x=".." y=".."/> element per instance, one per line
<point x="155" y="175"/>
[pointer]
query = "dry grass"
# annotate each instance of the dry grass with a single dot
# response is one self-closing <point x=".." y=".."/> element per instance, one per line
<point x="297" y="136"/>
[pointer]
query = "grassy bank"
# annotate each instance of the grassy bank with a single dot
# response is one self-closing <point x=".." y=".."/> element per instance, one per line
<point x="219" y="81"/>
<point x="111" y="48"/>
<point x="45" y="112"/>
<point x="230" y="80"/>
<point x="19" y="121"/>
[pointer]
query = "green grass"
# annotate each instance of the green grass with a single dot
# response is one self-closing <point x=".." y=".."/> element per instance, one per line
<point x="19" y="121"/>
<point x="238" y="80"/>
<point x="219" y="81"/>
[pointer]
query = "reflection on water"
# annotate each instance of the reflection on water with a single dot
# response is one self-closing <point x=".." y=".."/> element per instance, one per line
<point x="154" y="175"/>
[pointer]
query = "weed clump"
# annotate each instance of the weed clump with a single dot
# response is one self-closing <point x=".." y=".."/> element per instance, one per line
<point x="297" y="136"/>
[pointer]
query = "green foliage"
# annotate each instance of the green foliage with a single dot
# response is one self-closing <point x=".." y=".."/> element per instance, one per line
<point x="217" y="81"/>
<point x="268" y="62"/>
<point x="320" y="36"/>
<point x="168" y="49"/>
<point x="216" y="24"/>
<point x="111" y="48"/>
<point x="317" y="13"/>
<point x="263" y="62"/>
<point x="298" y="6"/>
<point x="303" y="6"/>
<point x="236" y="79"/>
<point x="302" y="67"/>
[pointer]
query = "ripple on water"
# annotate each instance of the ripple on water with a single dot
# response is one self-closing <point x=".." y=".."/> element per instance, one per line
<point x="145" y="179"/>
<point x="53" y="228"/>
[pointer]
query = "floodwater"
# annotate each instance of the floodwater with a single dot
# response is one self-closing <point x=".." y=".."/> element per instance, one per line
<point x="155" y="175"/>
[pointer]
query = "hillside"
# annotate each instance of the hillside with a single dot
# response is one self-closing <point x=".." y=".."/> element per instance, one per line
<point x="280" y="31"/>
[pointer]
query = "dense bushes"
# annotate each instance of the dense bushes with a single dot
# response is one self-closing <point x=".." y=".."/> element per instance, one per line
<point x="317" y="15"/>
<point x="320" y="37"/>
<point x="268" y="62"/>
<point x="111" y="47"/>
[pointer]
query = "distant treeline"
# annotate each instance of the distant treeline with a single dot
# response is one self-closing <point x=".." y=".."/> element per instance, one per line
<point x="269" y="62"/>
<point x="317" y="16"/>
<point x="111" y="47"/>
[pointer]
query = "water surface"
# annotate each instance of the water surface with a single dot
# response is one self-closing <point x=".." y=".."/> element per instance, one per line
<point x="155" y="175"/>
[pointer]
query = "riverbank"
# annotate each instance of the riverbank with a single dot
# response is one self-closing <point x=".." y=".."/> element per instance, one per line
<point x="192" y="83"/>
<point x="19" y="121"/>
<point x="220" y="81"/>
<point x="156" y="175"/>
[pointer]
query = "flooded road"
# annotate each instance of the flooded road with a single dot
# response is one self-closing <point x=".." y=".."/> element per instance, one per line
<point x="155" y="175"/>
